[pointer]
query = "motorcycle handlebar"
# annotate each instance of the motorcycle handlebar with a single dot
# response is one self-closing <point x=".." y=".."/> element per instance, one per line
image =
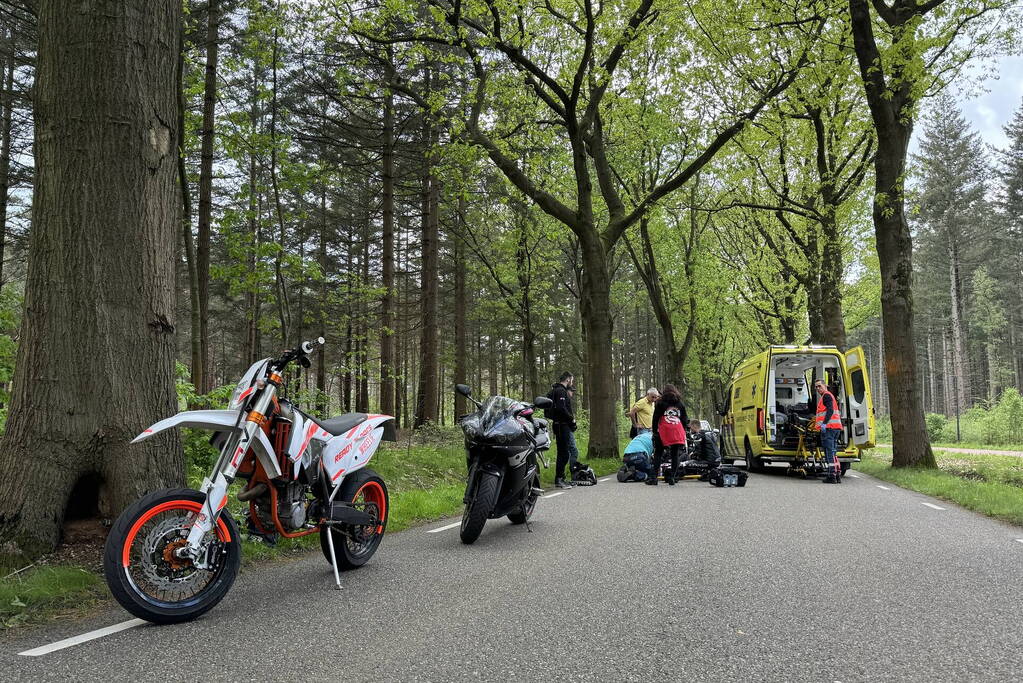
<point x="310" y="346"/>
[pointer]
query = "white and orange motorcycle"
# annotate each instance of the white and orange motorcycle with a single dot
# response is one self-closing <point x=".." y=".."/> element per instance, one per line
<point x="174" y="554"/>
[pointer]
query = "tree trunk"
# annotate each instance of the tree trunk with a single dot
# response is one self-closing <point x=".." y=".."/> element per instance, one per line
<point x="99" y="306"/>
<point x="960" y="366"/>
<point x="186" y="226"/>
<point x="832" y="322"/>
<point x="595" y="307"/>
<point x="387" y="321"/>
<point x="426" y="402"/>
<point x="205" y="195"/>
<point x="6" y="123"/>
<point x="322" y="402"/>
<point x="892" y="115"/>
<point x="931" y="370"/>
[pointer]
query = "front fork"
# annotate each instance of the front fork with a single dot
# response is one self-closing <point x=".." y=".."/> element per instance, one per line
<point x="216" y="489"/>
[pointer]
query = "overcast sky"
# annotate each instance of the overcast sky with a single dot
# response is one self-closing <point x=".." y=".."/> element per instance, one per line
<point x="989" y="111"/>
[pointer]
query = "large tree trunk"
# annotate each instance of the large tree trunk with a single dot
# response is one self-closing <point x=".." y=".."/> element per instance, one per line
<point x="595" y="307"/>
<point x="895" y="252"/>
<point x="96" y="360"/>
<point x="203" y="378"/>
<point x="891" y="110"/>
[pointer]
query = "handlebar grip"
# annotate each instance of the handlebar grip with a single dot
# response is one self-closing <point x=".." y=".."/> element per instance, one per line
<point x="310" y="346"/>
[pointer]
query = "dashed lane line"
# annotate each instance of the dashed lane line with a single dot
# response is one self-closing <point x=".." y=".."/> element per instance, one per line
<point x="932" y="505"/>
<point x="443" y="528"/>
<point x="882" y="487"/>
<point x="1019" y="540"/>
<point x="854" y="476"/>
<point x="84" y="638"/>
<point x="606" y="479"/>
<point x="552" y="495"/>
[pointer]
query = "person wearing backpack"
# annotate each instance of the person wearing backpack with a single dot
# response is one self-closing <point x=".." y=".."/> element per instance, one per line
<point x="563" y="422"/>
<point x="669" y="432"/>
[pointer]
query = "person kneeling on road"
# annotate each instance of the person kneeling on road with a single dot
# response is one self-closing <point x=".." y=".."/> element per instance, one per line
<point x="705" y="444"/>
<point x="637" y="458"/>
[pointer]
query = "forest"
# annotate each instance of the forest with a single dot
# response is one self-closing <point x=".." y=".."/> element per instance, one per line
<point x="489" y="192"/>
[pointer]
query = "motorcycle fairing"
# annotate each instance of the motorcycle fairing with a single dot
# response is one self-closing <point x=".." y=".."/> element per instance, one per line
<point x="351" y="451"/>
<point x="218" y="421"/>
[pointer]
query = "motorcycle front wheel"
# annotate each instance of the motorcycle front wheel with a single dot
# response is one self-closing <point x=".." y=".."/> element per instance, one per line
<point x="477" y="510"/>
<point x="146" y="576"/>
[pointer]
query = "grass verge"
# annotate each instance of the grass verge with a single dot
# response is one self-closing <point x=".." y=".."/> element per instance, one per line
<point x="426" y="481"/>
<point x="989" y="484"/>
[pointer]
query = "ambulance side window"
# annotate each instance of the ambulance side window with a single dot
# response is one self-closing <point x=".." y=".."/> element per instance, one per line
<point x="858" y="386"/>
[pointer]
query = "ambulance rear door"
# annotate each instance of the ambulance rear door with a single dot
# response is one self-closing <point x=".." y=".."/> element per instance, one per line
<point x="861" y="405"/>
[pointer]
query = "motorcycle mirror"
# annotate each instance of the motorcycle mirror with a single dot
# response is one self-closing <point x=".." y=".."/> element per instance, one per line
<point x="463" y="389"/>
<point x="542" y="402"/>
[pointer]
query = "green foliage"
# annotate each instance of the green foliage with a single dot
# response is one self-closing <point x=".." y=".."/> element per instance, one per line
<point x="936" y="426"/>
<point x="10" y="321"/>
<point x="1003" y="424"/>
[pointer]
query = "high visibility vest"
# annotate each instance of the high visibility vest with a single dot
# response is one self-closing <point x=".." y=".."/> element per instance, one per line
<point x="836" y="421"/>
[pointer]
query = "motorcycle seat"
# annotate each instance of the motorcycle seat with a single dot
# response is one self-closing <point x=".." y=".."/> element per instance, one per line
<point x="342" y="423"/>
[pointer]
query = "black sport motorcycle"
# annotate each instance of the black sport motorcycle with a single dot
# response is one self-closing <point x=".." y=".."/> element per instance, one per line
<point x="504" y="440"/>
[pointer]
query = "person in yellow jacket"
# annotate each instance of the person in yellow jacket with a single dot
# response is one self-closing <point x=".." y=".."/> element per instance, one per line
<point x="642" y="411"/>
<point x="829" y="422"/>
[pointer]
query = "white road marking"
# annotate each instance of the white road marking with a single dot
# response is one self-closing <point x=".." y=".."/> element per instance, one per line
<point x="444" y="528"/>
<point x="882" y="487"/>
<point x="84" y="638"/>
<point x="1019" y="540"/>
<point x="854" y="476"/>
<point x="551" y="495"/>
<point x="606" y="479"/>
<point x="932" y="505"/>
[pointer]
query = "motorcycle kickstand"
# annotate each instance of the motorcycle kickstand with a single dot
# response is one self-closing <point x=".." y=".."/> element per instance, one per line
<point x="333" y="557"/>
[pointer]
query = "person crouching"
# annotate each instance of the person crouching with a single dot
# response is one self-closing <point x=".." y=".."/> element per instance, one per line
<point x="669" y="432"/>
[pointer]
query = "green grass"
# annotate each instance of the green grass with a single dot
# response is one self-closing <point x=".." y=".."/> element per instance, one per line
<point x="989" y="484"/>
<point x="977" y="446"/>
<point x="41" y="592"/>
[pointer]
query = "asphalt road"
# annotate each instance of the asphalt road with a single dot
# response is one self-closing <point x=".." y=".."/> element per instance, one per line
<point x="784" y="580"/>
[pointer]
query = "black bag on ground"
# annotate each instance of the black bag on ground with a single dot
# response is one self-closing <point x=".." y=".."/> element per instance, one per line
<point x="727" y="475"/>
<point x="583" y="475"/>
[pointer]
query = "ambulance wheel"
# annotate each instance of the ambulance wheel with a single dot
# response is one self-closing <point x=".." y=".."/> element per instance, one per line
<point x="845" y="467"/>
<point x="753" y="463"/>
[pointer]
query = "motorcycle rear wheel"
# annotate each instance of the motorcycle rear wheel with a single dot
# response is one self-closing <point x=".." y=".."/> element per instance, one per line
<point x="529" y="505"/>
<point x="355" y="545"/>
<point x="477" y="510"/>
<point x="144" y="575"/>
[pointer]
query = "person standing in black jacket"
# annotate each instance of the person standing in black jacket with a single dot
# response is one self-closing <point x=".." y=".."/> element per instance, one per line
<point x="564" y="420"/>
<point x="669" y="431"/>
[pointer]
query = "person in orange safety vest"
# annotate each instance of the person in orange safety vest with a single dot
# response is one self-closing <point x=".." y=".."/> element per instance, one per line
<point x="829" y="422"/>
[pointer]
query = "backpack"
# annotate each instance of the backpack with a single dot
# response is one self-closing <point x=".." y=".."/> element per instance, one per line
<point x="549" y="412"/>
<point x="583" y="474"/>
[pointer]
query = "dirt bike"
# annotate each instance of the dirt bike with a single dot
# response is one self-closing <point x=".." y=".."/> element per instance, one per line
<point x="172" y="555"/>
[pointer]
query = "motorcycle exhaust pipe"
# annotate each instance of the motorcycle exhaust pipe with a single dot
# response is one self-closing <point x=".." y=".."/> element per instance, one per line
<point x="254" y="492"/>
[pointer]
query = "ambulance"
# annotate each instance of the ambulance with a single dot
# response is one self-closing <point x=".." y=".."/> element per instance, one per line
<point x="773" y="390"/>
